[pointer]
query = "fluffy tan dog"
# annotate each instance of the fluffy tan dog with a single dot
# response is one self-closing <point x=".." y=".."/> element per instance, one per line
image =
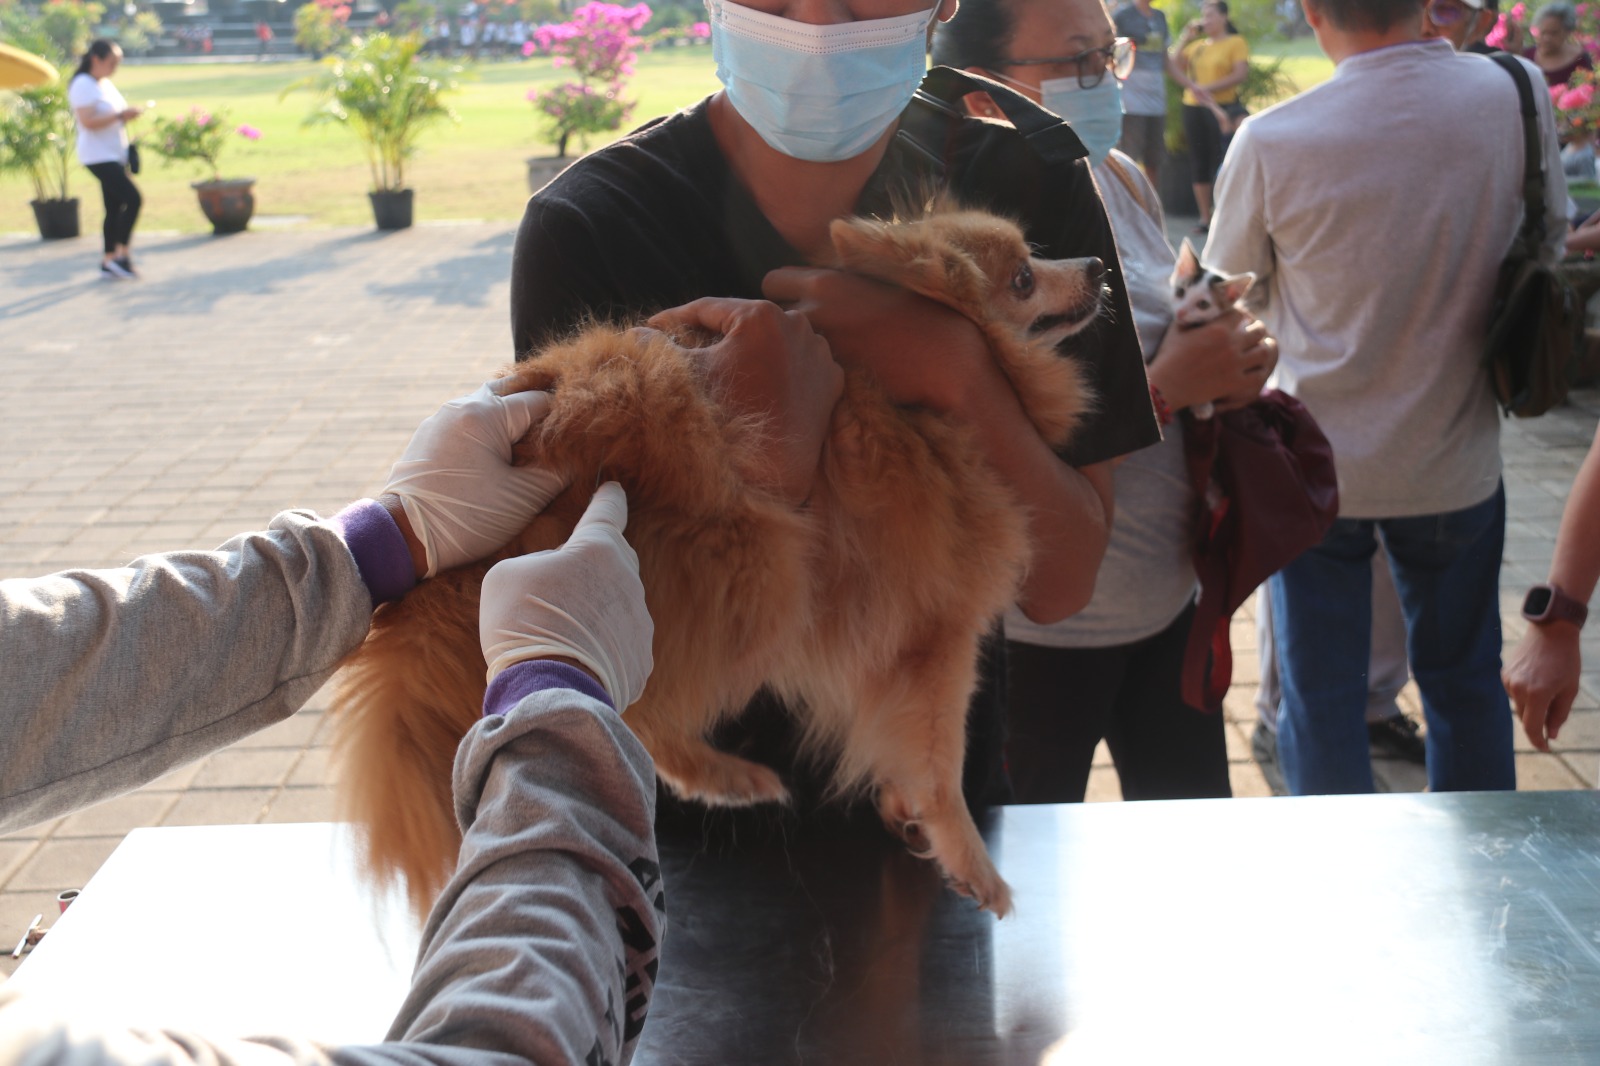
<point x="863" y="611"/>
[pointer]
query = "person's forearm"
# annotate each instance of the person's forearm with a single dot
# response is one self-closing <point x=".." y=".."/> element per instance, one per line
<point x="543" y="946"/>
<point x="1225" y="83"/>
<point x="1069" y="510"/>
<point x="1575" y="568"/>
<point x="114" y="677"/>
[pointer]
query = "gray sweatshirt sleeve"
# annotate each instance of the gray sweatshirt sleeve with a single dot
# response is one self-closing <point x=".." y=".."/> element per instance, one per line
<point x="110" y="678"/>
<point x="543" y="947"/>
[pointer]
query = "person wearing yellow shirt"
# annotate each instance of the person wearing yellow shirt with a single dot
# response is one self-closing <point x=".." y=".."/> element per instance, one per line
<point x="1211" y="61"/>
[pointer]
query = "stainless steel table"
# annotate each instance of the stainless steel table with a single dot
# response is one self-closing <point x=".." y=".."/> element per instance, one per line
<point x="1454" y="929"/>
<point x="1404" y="928"/>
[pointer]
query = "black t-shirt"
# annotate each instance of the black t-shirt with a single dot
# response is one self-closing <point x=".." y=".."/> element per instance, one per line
<point x="658" y="219"/>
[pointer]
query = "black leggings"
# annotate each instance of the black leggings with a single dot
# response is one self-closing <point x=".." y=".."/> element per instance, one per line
<point x="122" y="203"/>
<point x="1062" y="701"/>
<point x="1206" y="143"/>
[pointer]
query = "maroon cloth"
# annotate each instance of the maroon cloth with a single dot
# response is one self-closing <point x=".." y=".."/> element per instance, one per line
<point x="1265" y="491"/>
<point x="1560" y="75"/>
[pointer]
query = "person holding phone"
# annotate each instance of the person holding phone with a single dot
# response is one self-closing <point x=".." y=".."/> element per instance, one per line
<point x="102" y="116"/>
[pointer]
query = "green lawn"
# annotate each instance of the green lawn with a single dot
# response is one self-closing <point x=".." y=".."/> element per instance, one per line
<point x="1303" y="61"/>
<point x="472" y="170"/>
<point x="319" y="174"/>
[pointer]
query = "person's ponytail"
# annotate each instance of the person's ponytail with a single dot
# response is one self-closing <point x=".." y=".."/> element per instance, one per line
<point x="98" y="49"/>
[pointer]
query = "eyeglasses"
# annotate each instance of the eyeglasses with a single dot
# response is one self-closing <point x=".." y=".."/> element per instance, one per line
<point x="1092" y="63"/>
<point x="1448" y="13"/>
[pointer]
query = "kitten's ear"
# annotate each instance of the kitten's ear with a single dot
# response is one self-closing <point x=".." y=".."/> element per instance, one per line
<point x="1188" y="262"/>
<point x="1235" y="287"/>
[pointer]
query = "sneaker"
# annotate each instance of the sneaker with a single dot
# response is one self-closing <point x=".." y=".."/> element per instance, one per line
<point x="126" y="263"/>
<point x="1400" y="737"/>
<point x="114" y="271"/>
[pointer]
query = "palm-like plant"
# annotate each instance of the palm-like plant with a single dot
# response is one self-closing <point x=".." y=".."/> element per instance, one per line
<point x="385" y="96"/>
<point x="37" y="138"/>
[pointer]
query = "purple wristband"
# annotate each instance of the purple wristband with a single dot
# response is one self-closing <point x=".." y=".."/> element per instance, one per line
<point x="379" y="548"/>
<point x="520" y="680"/>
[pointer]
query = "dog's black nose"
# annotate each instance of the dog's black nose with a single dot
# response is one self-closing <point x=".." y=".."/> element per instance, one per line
<point x="1095" y="271"/>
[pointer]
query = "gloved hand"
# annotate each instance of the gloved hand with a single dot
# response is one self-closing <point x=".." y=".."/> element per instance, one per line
<point x="456" y="483"/>
<point x="582" y="601"/>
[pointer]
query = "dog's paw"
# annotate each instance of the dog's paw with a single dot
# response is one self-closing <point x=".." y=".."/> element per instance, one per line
<point x="987" y="889"/>
<point x="726" y="781"/>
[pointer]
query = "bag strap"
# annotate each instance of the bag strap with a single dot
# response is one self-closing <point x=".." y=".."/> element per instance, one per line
<point x="925" y="125"/>
<point x="1532" y="234"/>
<point x="1132" y="186"/>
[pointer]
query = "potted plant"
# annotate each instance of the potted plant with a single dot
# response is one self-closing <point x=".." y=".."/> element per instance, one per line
<point x="199" y="136"/>
<point x="599" y="44"/>
<point x="37" y="138"/>
<point x="386" y="97"/>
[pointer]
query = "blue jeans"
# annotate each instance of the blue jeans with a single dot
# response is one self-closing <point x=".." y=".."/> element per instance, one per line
<point x="1447" y="570"/>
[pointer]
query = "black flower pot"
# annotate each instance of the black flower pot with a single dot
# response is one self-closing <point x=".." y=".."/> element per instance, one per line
<point x="391" y="208"/>
<point x="57" y="219"/>
<point x="1177" y="186"/>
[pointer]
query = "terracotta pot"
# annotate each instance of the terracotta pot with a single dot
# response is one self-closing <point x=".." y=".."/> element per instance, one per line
<point x="391" y="208"/>
<point x="57" y="219"/>
<point x="228" y="203"/>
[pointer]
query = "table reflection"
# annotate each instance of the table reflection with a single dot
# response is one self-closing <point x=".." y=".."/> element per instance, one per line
<point x="1452" y="928"/>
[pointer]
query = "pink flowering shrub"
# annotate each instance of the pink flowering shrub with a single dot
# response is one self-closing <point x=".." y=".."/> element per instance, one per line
<point x="197" y="136"/>
<point x="599" y="44"/>
<point x="1500" y="36"/>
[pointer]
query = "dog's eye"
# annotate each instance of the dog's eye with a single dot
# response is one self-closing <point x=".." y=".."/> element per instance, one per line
<point x="1022" y="281"/>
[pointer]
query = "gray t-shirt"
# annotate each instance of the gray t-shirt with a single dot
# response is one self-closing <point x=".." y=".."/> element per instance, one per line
<point x="1145" y="91"/>
<point x="1375" y="210"/>
<point x="1147" y="578"/>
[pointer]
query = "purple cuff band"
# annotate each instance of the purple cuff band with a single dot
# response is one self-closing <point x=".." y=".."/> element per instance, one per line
<point x="379" y="549"/>
<point x="520" y="680"/>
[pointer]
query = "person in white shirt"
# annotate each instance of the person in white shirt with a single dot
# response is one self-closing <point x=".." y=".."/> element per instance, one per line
<point x="103" y="116"/>
<point x="1377" y="267"/>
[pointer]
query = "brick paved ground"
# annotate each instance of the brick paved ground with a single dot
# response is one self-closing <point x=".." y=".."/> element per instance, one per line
<point x="277" y="369"/>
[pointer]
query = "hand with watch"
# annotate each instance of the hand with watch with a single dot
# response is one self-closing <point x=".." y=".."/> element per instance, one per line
<point x="1541" y="674"/>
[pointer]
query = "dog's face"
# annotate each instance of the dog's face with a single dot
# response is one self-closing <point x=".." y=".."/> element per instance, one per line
<point x="978" y="264"/>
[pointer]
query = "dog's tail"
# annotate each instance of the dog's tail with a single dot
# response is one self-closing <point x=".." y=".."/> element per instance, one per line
<point x="406" y="698"/>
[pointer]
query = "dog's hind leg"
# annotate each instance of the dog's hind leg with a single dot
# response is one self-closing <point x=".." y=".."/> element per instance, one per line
<point x="915" y="737"/>
<point x="695" y="770"/>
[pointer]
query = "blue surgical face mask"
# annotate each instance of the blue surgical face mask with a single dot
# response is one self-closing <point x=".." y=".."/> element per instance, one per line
<point x="819" y="93"/>
<point x="1095" y="115"/>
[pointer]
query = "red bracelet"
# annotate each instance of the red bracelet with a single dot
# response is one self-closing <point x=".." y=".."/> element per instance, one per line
<point x="1159" y="402"/>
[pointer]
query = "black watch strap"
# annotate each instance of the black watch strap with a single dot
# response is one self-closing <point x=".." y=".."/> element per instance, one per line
<point x="1547" y="603"/>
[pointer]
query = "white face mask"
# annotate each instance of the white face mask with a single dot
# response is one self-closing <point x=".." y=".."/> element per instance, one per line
<point x="819" y="93"/>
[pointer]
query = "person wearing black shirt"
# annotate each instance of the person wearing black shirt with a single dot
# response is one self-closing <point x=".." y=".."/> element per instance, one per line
<point x="699" y="216"/>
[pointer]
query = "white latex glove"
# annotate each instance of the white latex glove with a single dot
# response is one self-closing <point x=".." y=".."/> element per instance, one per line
<point x="461" y="494"/>
<point x="582" y="601"/>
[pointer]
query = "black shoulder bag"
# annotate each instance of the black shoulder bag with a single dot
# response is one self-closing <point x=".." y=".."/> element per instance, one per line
<point x="1536" y="325"/>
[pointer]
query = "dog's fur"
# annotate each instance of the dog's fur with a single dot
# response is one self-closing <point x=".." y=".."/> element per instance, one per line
<point x="863" y="611"/>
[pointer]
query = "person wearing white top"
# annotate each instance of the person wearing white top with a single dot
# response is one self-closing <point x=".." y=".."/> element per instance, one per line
<point x="102" y="116"/>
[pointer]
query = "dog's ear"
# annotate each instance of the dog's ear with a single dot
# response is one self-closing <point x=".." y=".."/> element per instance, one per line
<point x="913" y="257"/>
<point x="1188" y="262"/>
<point x="1235" y="287"/>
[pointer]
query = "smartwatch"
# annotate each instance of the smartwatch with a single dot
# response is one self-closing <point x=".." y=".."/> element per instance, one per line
<point x="1547" y="603"/>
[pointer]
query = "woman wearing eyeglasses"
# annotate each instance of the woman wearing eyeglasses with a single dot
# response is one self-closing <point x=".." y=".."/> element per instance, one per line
<point x="1211" y="60"/>
<point x="720" y="208"/>
<point x="1113" y="670"/>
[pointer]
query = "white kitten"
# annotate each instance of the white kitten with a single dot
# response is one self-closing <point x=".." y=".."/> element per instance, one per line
<point x="1200" y="295"/>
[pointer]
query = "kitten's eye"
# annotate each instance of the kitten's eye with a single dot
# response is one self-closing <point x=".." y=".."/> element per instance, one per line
<point x="1204" y="305"/>
<point x="1022" y="281"/>
<point x="1180" y="290"/>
